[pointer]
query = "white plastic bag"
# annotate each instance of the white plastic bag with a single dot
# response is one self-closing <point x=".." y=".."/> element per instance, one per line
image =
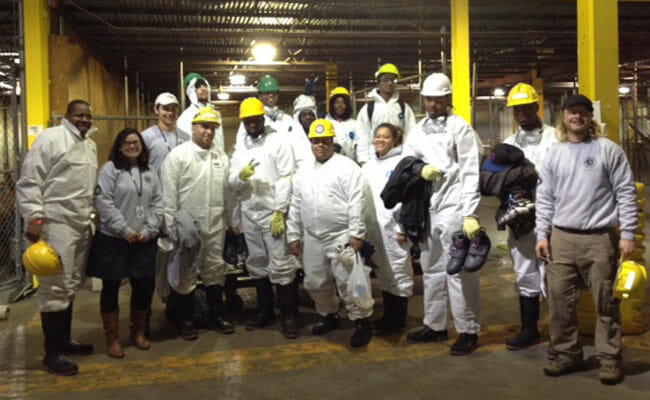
<point x="359" y="285"/>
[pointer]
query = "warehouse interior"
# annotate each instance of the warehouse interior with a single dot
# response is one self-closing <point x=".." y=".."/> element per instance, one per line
<point x="120" y="54"/>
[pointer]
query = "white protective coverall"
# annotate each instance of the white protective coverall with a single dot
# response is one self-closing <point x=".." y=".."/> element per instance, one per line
<point x="345" y="136"/>
<point x="395" y="272"/>
<point x="449" y="144"/>
<point x="184" y="122"/>
<point x="196" y="180"/>
<point x="529" y="270"/>
<point x="160" y="143"/>
<point x="268" y="190"/>
<point x="383" y="112"/>
<point x="56" y="185"/>
<point x="326" y="209"/>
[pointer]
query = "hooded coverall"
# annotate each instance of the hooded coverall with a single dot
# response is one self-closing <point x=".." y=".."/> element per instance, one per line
<point x="395" y="272"/>
<point x="449" y="144"/>
<point x="184" y="123"/>
<point x="196" y="180"/>
<point x="384" y="111"/>
<point x="268" y="190"/>
<point x="56" y="185"/>
<point x="325" y="211"/>
<point x="529" y="273"/>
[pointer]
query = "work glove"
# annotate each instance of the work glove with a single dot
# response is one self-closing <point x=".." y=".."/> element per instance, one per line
<point x="247" y="171"/>
<point x="277" y="223"/>
<point x="471" y="227"/>
<point x="430" y="173"/>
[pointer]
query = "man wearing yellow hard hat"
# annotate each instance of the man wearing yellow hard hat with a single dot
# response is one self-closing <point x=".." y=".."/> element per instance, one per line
<point x="340" y="116"/>
<point x="384" y="105"/>
<point x="194" y="179"/>
<point x="55" y="195"/>
<point x="535" y="139"/>
<point x="261" y="171"/>
<point x="326" y="213"/>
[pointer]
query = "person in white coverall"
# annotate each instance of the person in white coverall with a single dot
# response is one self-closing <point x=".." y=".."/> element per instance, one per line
<point x="194" y="178"/>
<point x="340" y="115"/>
<point x="199" y="94"/>
<point x="384" y="231"/>
<point x="447" y="144"/>
<point x="535" y="139"/>
<point x="162" y="137"/>
<point x="386" y="107"/>
<point x="325" y="213"/>
<point x="260" y="173"/>
<point x="304" y="113"/>
<point x="54" y="195"/>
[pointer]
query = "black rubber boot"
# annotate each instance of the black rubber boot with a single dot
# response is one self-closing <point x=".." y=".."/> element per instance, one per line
<point x="188" y="330"/>
<point x="465" y="344"/>
<point x="55" y="361"/>
<point x="69" y="345"/>
<point x="362" y="333"/>
<point x="289" y="307"/>
<point x="265" y="302"/>
<point x="426" y="335"/>
<point x="327" y="324"/>
<point x="401" y="307"/>
<point x="529" y="334"/>
<point x="388" y="310"/>
<point x="214" y="295"/>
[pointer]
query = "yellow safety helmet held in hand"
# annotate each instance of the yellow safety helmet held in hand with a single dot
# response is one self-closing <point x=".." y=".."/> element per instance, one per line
<point x="207" y="115"/>
<point x="630" y="277"/>
<point x="522" y="93"/>
<point x="321" y="128"/>
<point x="40" y="259"/>
<point x="387" y="69"/>
<point x="339" y="91"/>
<point x="251" y="107"/>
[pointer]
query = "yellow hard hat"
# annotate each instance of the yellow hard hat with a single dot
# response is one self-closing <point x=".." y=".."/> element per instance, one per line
<point x="251" y="107"/>
<point x="338" y="91"/>
<point x="522" y="93"/>
<point x="631" y="275"/>
<point x="321" y="128"/>
<point x="207" y="115"/>
<point x="387" y="69"/>
<point x="41" y="259"/>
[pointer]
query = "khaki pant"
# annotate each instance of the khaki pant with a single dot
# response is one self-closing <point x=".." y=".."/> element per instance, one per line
<point x="583" y="260"/>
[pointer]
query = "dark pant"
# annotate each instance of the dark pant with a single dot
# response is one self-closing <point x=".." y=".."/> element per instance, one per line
<point x="141" y="294"/>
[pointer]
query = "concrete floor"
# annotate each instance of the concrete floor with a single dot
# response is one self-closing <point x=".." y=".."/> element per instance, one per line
<point x="263" y="365"/>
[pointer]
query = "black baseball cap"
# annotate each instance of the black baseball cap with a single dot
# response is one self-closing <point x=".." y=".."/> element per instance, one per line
<point x="578" y="99"/>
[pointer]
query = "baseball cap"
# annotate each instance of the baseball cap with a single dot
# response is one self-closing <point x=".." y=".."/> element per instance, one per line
<point x="165" y="99"/>
<point x="578" y="99"/>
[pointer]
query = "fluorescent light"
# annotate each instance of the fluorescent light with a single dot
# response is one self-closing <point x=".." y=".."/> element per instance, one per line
<point x="263" y="52"/>
<point x="237" y="79"/>
<point x="223" y="96"/>
<point x="498" y="92"/>
<point x="623" y="90"/>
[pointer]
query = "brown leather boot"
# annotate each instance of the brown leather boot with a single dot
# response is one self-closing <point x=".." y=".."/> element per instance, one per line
<point x="112" y="332"/>
<point x="139" y="320"/>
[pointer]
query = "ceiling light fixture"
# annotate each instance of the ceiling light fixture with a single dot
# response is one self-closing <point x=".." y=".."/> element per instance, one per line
<point x="263" y="52"/>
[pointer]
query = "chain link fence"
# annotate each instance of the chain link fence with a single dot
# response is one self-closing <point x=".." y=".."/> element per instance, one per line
<point x="8" y="222"/>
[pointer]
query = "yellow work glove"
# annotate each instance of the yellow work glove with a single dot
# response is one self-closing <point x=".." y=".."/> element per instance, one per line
<point x="277" y="223"/>
<point x="471" y="227"/>
<point x="247" y="171"/>
<point x="430" y="173"/>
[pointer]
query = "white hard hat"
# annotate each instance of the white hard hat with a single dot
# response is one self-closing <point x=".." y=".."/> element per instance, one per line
<point x="436" y="85"/>
<point x="165" y="99"/>
<point x="303" y="102"/>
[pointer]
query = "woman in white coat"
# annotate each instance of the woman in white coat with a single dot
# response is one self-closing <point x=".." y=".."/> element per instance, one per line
<point x="392" y="256"/>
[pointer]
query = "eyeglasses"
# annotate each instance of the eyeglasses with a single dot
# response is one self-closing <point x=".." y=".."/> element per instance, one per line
<point x="134" y="143"/>
<point x="388" y="80"/>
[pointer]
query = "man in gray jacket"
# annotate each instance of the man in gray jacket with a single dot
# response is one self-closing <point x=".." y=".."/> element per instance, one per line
<point x="587" y="189"/>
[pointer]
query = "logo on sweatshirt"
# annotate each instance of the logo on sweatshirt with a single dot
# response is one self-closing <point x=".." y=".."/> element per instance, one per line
<point x="590" y="162"/>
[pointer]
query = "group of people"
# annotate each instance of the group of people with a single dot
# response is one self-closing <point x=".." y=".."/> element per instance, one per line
<point x="304" y="191"/>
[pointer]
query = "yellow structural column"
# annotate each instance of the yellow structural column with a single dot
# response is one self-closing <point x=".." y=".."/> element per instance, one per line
<point x="37" y="85"/>
<point x="460" y="59"/>
<point x="598" y="74"/>
<point x="538" y="84"/>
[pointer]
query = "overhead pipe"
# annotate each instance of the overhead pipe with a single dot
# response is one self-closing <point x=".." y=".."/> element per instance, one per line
<point x="126" y="91"/>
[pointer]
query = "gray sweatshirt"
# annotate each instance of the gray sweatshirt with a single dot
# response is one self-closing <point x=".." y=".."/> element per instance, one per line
<point x="120" y="208"/>
<point x="587" y="185"/>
